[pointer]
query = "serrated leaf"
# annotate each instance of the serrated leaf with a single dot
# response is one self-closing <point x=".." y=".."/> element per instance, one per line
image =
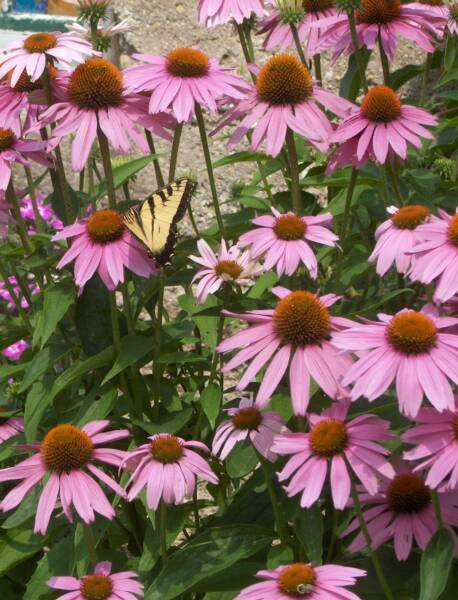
<point x="207" y="554"/>
<point x="435" y="565"/>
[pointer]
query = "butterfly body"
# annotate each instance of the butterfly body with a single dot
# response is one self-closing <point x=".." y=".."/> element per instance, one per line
<point x="154" y="221"/>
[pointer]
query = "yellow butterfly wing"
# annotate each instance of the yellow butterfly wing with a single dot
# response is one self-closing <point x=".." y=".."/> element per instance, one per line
<point x="154" y="221"/>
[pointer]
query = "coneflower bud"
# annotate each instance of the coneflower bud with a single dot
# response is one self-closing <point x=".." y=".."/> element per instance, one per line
<point x="291" y="11"/>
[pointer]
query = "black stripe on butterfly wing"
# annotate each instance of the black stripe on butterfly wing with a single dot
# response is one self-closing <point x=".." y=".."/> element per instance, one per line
<point x="133" y="222"/>
<point x="163" y="257"/>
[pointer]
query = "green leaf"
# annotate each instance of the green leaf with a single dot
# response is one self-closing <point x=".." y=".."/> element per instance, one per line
<point x="210" y="400"/>
<point x="57" y="297"/>
<point x="133" y="348"/>
<point x="17" y="545"/>
<point x="58" y="561"/>
<point x="26" y="509"/>
<point x="265" y="282"/>
<point x="207" y="554"/>
<point x="308" y="524"/>
<point x="78" y="369"/>
<point x="238" y="157"/>
<point x="207" y="326"/>
<point x="37" y="401"/>
<point x="401" y="76"/>
<point x="279" y="555"/>
<point x="242" y="460"/>
<point x="435" y="565"/>
<point x="93" y="410"/>
<point x="170" y="423"/>
<point x="93" y="317"/>
<point x="7" y="371"/>
<point x="350" y="84"/>
<point x="41" y="362"/>
<point x="122" y="173"/>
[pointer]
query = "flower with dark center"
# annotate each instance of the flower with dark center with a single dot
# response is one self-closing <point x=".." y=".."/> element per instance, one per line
<point x="402" y="511"/>
<point x="413" y="349"/>
<point x="36" y="52"/>
<point x="284" y="99"/>
<point x="247" y="422"/>
<point x="168" y="467"/>
<point x="292" y="337"/>
<point x="436" y="256"/>
<point x="383" y="127"/>
<point x="397" y="236"/>
<point x="284" y="240"/>
<point x="228" y="266"/>
<point x="68" y="455"/>
<point x="102" y="243"/>
<point x="178" y="80"/>
<point x="302" y="581"/>
<point x="386" y="20"/>
<point x="100" y="585"/>
<point x="94" y="98"/>
<point x="336" y="446"/>
<point x="16" y="149"/>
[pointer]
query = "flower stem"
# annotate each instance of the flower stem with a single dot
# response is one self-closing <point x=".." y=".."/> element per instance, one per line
<point x="298" y="44"/>
<point x="393" y="173"/>
<point x="61" y="177"/>
<point x="20" y="223"/>
<point x="108" y="170"/>
<point x="424" y="81"/>
<point x="364" y="530"/>
<point x="90" y="543"/>
<point x="208" y="162"/>
<point x="245" y="49"/>
<point x="174" y="151"/>
<point x="317" y="63"/>
<point x="356" y="49"/>
<point x="94" y="28"/>
<point x="161" y="525"/>
<point x="268" y="476"/>
<point x="114" y="322"/>
<point x="156" y="164"/>
<point x="437" y="508"/>
<point x="157" y="343"/>
<point x="247" y="29"/>
<point x="294" y="172"/>
<point x="344" y="225"/>
<point x="33" y="198"/>
<point x="384" y="61"/>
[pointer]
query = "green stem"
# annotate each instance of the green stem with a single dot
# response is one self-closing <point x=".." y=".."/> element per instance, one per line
<point x="114" y="322"/>
<point x="81" y="180"/>
<point x="249" y="41"/>
<point x="157" y="167"/>
<point x="317" y="63"/>
<point x="174" y="151"/>
<point x="208" y="163"/>
<point x="294" y="172"/>
<point x="108" y="170"/>
<point x="385" y="63"/>
<point x="437" y="508"/>
<point x="424" y="81"/>
<point x="33" y="197"/>
<point x="344" y="226"/>
<point x="157" y="344"/>
<point x="298" y="44"/>
<point x="20" y="223"/>
<point x="90" y="543"/>
<point x="127" y="308"/>
<point x="161" y="525"/>
<point x="356" y="50"/>
<point x="245" y="49"/>
<point x="94" y="28"/>
<point x="219" y="337"/>
<point x="268" y="476"/>
<point x="195" y="501"/>
<point x="61" y="177"/>
<point x="393" y="173"/>
<point x="362" y="523"/>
